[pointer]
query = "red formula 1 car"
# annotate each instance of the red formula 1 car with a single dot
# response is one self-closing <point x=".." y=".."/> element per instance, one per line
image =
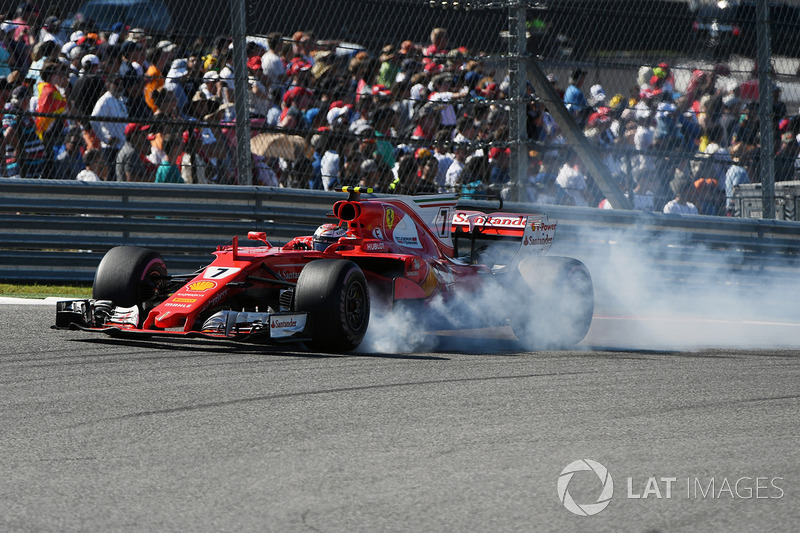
<point x="451" y="268"/>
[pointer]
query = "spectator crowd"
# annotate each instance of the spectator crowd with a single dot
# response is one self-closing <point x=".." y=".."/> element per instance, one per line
<point x="120" y="104"/>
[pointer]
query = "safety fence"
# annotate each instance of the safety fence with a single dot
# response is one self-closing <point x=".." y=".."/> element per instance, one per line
<point x="57" y="231"/>
<point x="413" y="95"/>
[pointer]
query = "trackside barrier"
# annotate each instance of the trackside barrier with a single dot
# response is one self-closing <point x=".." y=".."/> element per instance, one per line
<point x="57" y="231"/>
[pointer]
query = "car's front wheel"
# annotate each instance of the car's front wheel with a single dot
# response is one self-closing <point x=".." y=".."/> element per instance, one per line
<point x="130" y="275"/>
<point x="335" y="295"/>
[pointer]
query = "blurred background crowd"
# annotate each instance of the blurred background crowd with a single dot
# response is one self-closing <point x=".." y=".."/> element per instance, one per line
<point x="119" y="103"/>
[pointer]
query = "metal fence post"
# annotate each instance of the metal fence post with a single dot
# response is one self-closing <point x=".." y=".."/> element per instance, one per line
<point x="517" y="75"/>
<point x="767" y="152"/>
<point x="240" y="76"/>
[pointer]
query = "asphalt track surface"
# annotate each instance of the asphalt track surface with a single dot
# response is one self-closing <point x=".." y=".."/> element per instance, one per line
<point x="105" y="435"/>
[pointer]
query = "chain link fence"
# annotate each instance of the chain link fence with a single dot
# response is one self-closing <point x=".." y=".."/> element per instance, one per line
<point x="411" y="96"/>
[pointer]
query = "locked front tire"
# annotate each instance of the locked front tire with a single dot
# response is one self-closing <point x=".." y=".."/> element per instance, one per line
<point x="335" y="295"/>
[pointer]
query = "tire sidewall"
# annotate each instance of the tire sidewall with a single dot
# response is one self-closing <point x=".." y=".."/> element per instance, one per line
<point x="124" y="275"/>
<point x="323" y="291"/>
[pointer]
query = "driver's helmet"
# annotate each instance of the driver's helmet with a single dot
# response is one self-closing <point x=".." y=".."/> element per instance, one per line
<point x="326" y="235"/>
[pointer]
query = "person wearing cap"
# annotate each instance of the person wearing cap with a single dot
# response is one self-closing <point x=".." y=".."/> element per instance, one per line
<point x="194" y="76"/>
<point x="46" y="52"/>
<point x="161" y="57"/>
<point x="438" y="43"/>
<point x="271" y="62"/>
<point x="574" y="99"/>
<point x="597" y="95"/>
<point x="192" y="160"/>
<point x="6" y="47"/>
<point x="69" y="159"/>
<point x="299" y="72"/>
<point x="680" y="205"/>
<point x="111" y="106"/>
<point x="228" y="85"/>
<point x="541" y="187"/>
<point x="258" y="95"/>
<point x="573" y="181"/>
<point x="428" y="119"/>
<point x="302" y="44"/>
<point x="25" y="151"/>
<point x="211" y="86"/>
<point x="390" y="65"/>
<point x="86" y="89"/>
<point x="131" y="163"/>
<point x="133" y="56"/>
<point x="25" y="24"/>
<point x="51" y="101"/>
<point x="452" y="178"/>
<point x="176" y="77"/>
<point x="96" y="167"/>
<point x="499" y="161"/>
<point x="295" y="102"/>
<point x="133" y="90"/>
<point x="168" y="171"/>
<point x="50" y="31"/>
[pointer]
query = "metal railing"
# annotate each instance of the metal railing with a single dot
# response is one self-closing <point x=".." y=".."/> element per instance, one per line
<point x="53" y="231"/>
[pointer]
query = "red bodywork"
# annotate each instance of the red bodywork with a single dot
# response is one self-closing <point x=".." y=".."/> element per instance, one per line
<point x="404" y="246"/>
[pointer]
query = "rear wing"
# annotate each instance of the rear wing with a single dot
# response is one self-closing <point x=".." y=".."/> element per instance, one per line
<point x="534" y="232"/>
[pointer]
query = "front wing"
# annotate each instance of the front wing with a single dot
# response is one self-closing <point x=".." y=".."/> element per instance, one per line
<point x="100" y="317"/>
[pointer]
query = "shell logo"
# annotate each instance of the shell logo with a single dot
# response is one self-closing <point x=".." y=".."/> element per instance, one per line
<point x="201" y="286"/>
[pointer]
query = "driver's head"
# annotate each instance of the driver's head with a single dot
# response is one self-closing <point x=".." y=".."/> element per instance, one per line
<point x="326" y="235"/>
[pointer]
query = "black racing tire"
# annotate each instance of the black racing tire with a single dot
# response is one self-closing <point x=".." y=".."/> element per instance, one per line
<point x="129" y="275"/>
<point x="335" y="295"/>
<point x="555" y="303"/>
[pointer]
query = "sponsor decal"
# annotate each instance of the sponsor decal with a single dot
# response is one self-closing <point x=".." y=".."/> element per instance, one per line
<point x="543" y="227"/>
<point x="218" y="299"/>
<point x="286" y="325"/>
<point x="374" y="246"/>
<point x="378" y="233"/>
<point x="201" y="286"/>
<point x="538" y="234"/>
<point x="180" y="306"/>
<point x="389" y="217"/>
<point x="184" y="300"/>
<point x="501" y="221"/>
<point x="289" y="274"/>
<point x="218" y="272"/>
<point x="532" y="241"/>
<point x="405" y="234"/>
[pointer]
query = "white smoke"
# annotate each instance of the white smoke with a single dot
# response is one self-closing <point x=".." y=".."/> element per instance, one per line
<point x="645" y="298"/>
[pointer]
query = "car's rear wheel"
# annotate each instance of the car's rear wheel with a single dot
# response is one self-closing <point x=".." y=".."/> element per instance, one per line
<point x="335" y="295"/>
<point x="555" y="302"/>
<point x="130" y="275"/>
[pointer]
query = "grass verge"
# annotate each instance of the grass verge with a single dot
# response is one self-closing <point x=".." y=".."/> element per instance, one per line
<point x="44" y="291"/>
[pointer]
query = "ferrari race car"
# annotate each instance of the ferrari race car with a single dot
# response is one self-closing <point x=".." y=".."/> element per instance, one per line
<point x="444" y="268"/>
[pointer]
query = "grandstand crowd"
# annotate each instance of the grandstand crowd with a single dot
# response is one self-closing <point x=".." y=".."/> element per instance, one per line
<point x="123" y="105"/>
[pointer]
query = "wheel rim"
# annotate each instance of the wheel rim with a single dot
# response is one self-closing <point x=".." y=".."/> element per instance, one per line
<point x="355" y="306"/>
